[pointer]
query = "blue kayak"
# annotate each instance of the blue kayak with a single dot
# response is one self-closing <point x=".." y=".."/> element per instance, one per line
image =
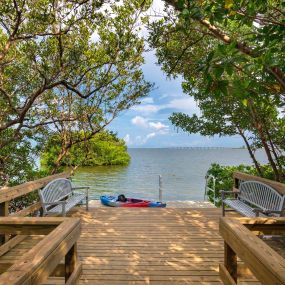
<point x="112" y="201"/>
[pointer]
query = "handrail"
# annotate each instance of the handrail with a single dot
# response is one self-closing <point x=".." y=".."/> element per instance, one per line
<point x="241" y="242"/>
<point x="36" y="265"/>
<point x="9" y="193"/>
<point x="240" y="176"/>
<point x="208" y="178"/>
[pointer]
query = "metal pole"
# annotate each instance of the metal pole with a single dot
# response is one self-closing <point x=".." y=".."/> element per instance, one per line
<point x="160" y="187"/>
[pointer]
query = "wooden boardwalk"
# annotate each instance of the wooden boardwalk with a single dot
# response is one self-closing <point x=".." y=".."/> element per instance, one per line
<point x="151" y="246"/>
<point x="144" y="246"/>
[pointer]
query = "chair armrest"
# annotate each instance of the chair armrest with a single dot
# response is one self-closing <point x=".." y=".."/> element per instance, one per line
<point x="223" y="192"/>
<point x="81" y="187"/>
<point x="54" y="203"/>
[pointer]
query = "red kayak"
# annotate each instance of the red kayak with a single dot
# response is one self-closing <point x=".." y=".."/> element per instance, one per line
<point x="112" y="201"/>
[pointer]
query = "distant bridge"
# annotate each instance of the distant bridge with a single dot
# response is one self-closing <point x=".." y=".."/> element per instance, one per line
<point x="203" y="147"/>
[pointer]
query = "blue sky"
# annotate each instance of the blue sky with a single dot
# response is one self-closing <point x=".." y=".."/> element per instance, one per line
<point x="147" y="124"/>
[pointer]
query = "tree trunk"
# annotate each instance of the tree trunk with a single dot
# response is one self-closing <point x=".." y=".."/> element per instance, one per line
<point x="258" y="126"/>
<point x="273" y="149"/>
<point x="256" y="164"/>
<point x="60" y="157"/>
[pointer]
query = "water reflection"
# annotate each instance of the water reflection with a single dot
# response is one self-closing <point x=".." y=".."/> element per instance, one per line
<point x="183" y="173"/>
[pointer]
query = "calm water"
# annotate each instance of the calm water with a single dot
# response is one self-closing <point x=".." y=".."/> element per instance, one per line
<point x="182" y="170"/>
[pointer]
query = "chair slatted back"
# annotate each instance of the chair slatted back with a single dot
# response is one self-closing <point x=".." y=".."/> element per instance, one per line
<point x="55" y="190"/>
<point x="261" y="195"/>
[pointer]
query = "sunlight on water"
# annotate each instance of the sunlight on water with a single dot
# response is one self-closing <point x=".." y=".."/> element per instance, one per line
<point x="183" y="173"/>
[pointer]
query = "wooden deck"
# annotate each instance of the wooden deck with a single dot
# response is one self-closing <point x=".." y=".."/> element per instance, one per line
<point x="144" y="246"/>
<point x="151" y="246"/>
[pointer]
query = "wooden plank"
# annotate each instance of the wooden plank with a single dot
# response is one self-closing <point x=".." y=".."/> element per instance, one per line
<point x="279" y="187"/>
<point x="226" y="276"/>
<point x="4" y="266"/>
<point x="28" y="225"/>
<point x="11" y="244"/>
<point x="168" y="246"/>
<point x="253" y="252"/>
<point x="36" y="229"/>
<point x="37" y="264"/>
<point x="32" y="220"/>
<point x="26" y="211"/>
<point x="9" y="193"/>
<point x="269" y="226"/>
<point x="152" y="247"/>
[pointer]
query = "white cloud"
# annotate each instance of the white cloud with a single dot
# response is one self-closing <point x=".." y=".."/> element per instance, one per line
<point x="144" y="123"/>
<point x="151" y="135"/>
<point x="170" y="95"/>
<point x="147" y="100"/>
<point x="140" y="140"/>
<point x="146" y="109"/>
<point x="184" y="104"/>
<point x="139" y="121"/>
<point x="157" y="126"/>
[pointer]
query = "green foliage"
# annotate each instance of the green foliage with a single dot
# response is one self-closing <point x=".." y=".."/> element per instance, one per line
<point x="105" y="148"/>
<point x="65" y="66"/>
<point x="16" y="163"/>
<point x="224" y="177"/>
<point x="230" y="55"/>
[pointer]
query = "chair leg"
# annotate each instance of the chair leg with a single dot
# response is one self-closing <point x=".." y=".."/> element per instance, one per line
<point x="223" y="209"/>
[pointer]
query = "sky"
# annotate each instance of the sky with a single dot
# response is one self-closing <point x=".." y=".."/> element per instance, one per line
<point x="147" y="125"/>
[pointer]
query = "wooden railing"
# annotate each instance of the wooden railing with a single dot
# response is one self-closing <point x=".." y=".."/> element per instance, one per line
<point x="240" y="177"/>
<point x="241" y="241"/>
<point x="9" y="193"/>
<point x="42" y="260"/>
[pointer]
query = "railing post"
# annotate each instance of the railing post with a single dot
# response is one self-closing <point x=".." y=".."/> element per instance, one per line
<point x="160" y="187"/>
<point x="236" y="181"/>
<point x="4" y="212"/>
<point x="70" y="261"/>
<point x="231" y="261"/>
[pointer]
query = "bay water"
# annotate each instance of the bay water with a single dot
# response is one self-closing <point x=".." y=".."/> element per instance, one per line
<point x="183" y="172"/>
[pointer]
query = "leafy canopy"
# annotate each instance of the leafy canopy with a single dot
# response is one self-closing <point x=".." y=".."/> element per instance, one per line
<point x="66" y="66"/>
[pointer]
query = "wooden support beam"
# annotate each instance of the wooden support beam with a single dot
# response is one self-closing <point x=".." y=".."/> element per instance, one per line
<point x="4" y="212"/>
<point x="70" y="261"/>
<point x="230" y="259"/>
